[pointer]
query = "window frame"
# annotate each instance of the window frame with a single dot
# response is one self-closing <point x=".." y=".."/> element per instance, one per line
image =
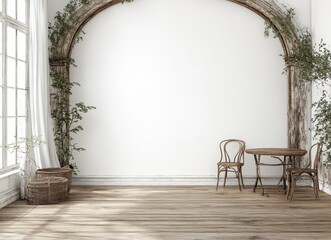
<point x="8" y="21"/>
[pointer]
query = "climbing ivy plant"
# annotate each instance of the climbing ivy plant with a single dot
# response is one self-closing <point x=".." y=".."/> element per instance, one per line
<point x="66" y="116"/>
<point x="64" y="22"/>
<point x="314" y="64"/>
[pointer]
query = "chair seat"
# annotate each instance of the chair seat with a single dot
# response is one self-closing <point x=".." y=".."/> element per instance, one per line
<point x="300" y="170"/>
<point x="295" y="173"/>
<point x="230" y="164"/>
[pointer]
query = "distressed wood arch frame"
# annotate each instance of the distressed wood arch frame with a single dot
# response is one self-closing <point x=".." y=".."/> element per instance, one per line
<point x="268" y="10"/>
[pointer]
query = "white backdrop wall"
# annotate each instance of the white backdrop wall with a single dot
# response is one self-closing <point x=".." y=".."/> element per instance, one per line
<point x="170" y="80"/>
<point x="321" y="19"/>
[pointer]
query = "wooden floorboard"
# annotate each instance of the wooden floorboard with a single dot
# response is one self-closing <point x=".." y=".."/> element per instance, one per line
<point x="170" y="213"/>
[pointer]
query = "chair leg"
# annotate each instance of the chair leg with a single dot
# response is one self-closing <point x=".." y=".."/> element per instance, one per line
<point x="218" y="178"/>
<point x="241" y="177"/>
<point x="316" y="187"/>
<point x="238" y="177"/>
<point x="225" y="176"/>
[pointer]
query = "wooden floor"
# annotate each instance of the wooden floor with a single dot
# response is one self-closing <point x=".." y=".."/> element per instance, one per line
<point x="174" y="213"/>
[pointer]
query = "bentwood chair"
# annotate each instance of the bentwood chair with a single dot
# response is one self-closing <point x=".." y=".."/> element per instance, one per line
<point x="310" y="170"/>
<point x="232" y="160"/>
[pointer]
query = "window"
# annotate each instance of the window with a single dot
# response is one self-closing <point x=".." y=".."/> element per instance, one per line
<point x="13" y="74"/>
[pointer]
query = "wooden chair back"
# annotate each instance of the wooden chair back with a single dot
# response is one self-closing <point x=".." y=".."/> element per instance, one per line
<point x="315" y="152"/>
<point x="232" y="150"/>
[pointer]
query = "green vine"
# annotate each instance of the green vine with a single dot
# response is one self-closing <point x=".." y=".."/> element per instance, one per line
<point x="314" y="66"/>
<point x="66" y="119"/>
<point x="66" y="116"/>
<point x="64" y="22"/>
<point x="313" y="60"/>
<point x="322" y="124"/>
<point x="286" y="23"/>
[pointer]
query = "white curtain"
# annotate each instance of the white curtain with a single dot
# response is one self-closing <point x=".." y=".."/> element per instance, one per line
<point x="40" y="122"/>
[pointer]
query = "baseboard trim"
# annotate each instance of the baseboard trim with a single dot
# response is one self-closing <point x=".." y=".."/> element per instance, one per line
<point x="166" y="180"/>
<point x="9" y="197"/>
<point x="9" y="186"/>
<point x="325" y="187"/>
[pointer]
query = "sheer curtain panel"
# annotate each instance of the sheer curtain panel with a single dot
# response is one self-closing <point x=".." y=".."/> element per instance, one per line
<point x="40" y="120"/>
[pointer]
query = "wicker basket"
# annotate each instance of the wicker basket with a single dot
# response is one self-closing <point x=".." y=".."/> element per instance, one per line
<point x="55" y="172"/>
<point x="47" y="190"/>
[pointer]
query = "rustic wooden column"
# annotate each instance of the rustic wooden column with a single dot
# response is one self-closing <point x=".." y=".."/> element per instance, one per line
<point x="60" y="65"/>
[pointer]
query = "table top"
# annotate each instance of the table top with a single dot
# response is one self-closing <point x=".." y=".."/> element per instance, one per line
<point x="277" y="151"/>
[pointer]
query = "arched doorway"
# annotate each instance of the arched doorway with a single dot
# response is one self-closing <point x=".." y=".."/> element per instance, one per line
<point x="69" y="53"/>
<point x="267" y="10"/>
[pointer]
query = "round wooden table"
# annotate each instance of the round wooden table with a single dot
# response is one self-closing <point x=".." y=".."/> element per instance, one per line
<point x="288" y="155"/>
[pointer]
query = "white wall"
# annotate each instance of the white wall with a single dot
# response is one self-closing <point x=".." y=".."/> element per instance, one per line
<point x="321" y="26"/>
<point x="170" y="80"/>
<point x="321" y="19"/>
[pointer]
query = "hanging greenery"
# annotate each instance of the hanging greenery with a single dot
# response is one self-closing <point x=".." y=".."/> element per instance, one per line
<point x="312" y="60"/>
<point x="314" y="64"/>
<point x="286" y="23"/>
<point x="66" y="116"/>
<point x="63" y="22"/>
<point x="322" y="124"/>
<point x="66" y="119"/>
